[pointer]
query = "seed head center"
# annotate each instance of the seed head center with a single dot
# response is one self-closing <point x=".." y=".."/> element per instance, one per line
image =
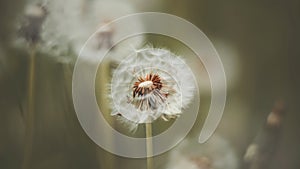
<point x="148" y="91"/>
<point x="146" y="84"/>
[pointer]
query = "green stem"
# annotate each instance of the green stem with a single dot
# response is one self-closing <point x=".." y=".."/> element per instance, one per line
<point x="149" y="145"/>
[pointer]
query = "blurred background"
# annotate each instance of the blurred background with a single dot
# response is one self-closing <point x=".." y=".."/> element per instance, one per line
<point x="258" y="43"/>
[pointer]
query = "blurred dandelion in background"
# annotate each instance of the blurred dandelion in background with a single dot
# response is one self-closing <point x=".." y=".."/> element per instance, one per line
<point x="98" y="25"/>
<point x="30" y="28"/>
<point x="66" y="27"/>
<point x="216" y="153"/>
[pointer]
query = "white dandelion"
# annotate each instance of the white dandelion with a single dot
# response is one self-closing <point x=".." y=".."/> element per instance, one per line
<point x="150" y="84"/>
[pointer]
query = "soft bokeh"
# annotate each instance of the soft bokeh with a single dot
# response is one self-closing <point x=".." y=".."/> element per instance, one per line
<point x="258" y="43"/>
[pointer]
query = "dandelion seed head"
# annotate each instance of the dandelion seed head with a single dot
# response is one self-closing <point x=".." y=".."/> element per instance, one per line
<point x="151" y="83"/>
<point x="70" y="23"/>
<point x="31" y="26"/>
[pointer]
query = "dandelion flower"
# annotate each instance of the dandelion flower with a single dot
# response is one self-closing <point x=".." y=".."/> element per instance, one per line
<point x="150" y="84"/>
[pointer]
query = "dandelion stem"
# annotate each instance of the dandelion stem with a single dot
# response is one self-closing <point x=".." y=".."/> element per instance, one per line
<point x="106" y="160"/>
<point x="30" y="110"/>
<point x="149" y="145"/>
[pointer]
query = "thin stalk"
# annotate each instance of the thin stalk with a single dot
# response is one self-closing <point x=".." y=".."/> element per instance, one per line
<point x="149" y="145"/>
<point x="106" y="160"/>
<point x="30" y="110"/>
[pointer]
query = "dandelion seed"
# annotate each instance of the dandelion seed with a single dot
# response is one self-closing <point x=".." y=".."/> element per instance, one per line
<point x="150" y="84"/>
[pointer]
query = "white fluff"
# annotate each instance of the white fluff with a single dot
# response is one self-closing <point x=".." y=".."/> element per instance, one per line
<point x="176" y="76"/>
<point x="71" y="22"/>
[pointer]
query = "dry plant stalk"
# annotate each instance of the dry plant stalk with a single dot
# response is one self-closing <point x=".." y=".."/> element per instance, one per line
<point x="263" y="149"/>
